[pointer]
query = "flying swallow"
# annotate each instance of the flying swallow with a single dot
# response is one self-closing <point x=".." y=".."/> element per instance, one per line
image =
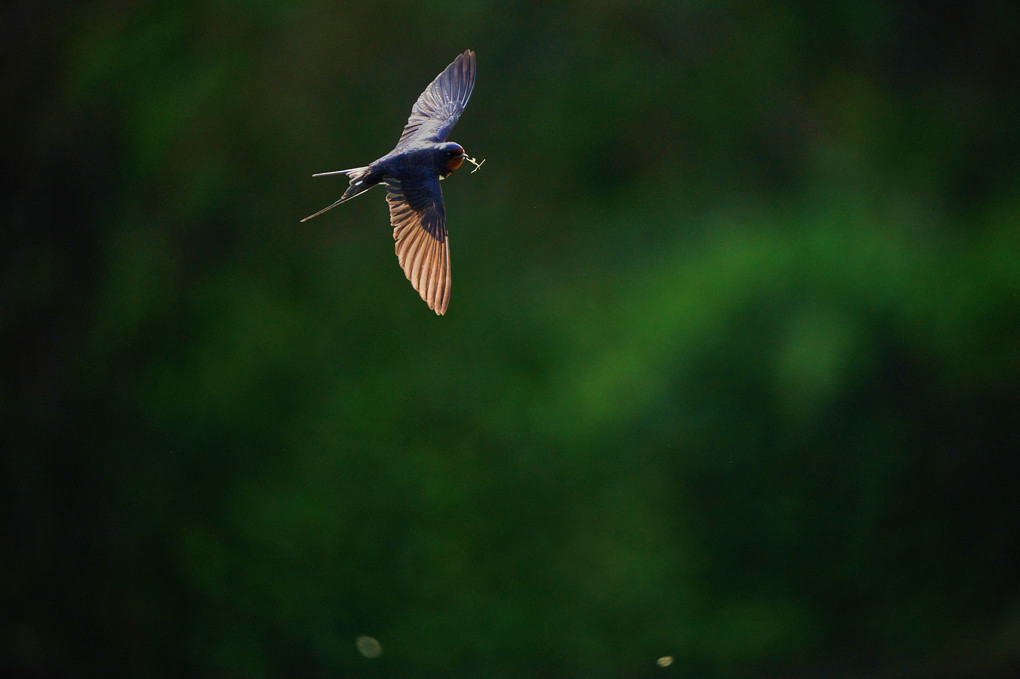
<point x="411" y="173"/>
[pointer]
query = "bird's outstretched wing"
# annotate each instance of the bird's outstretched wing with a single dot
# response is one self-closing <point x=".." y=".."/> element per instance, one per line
<point x="419" y="229"/>
<point x="440" y="105"/>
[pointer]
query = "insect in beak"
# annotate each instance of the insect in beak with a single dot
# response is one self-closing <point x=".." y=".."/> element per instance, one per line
<point x="474" y="162"/>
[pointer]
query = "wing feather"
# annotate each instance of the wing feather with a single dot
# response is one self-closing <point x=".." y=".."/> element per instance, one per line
<point x="439" y="107"/>
<point x="419" y="229"/>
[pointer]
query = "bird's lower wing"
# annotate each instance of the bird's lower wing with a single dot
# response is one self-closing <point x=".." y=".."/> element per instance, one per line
<point x="419" y="229"/>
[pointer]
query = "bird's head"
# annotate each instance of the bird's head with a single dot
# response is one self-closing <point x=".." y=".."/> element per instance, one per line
<point x="452" y="156"/>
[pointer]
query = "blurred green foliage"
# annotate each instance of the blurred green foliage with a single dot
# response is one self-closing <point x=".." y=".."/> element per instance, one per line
<point x="730" y="372"/>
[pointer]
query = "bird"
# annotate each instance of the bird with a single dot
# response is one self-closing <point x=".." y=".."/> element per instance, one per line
<point x="411" y="173"/>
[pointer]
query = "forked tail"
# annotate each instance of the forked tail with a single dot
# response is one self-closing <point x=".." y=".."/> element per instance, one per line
<point x="362" y="179"/>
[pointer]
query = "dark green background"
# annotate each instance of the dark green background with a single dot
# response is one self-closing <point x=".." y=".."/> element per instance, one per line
<point x="730" y="371"/>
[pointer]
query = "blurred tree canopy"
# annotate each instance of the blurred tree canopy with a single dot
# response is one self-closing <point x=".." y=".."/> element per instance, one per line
<point x="730" y="373"/>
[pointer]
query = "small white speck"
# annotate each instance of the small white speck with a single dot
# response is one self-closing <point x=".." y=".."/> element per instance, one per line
<point x="368" y="646"/>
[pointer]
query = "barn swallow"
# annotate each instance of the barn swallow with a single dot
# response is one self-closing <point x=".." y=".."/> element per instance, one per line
<point x="411" y="173"/>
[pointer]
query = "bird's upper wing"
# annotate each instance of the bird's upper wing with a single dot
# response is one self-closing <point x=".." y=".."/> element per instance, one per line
<point x="440" y="105"/>
<point x="419" y="228"/>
